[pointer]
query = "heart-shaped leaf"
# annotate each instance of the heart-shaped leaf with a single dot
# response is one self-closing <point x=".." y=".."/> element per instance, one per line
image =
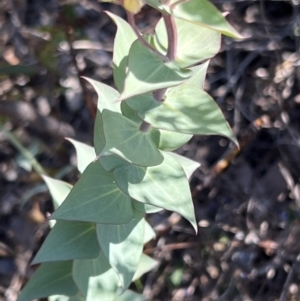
<point x="85" y="154"/>
<point x="166" y="140"/>
<point x="65" y="298"/>
<point x="96" y="279"/>
<point x="111" y="162"/>
<point x="169" y="141"/>
<point x="148" y="72"/>
<point x="199" y="74"/>
<point x="53" y="278"/>
<point x="107" y="96"/>
<point x="70" y="240"/>
<point x="123" y="246"/>
<point x="190" y="38"/>
<point x="130" y="296"/>
<point x="99" y="139"/>
<point x="164" y="185"/>
<point x="190" y="110"/>
<point x="146" y="264"/>
<point x="207" y="15"/>
<point x="125" y="36"/>
<point x="149" y="233"/>
<point x="145" y="208"/>
<point x="188" y="165"/>
<point x="125" y="139"/>
<point x="96" y="198"/>
<point x="58" y="190"/>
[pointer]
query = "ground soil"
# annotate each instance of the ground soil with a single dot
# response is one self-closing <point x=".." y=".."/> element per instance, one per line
<point x="247" y="200"/>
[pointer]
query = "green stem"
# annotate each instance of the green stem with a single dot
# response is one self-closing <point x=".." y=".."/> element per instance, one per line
<point x="131" y="21"/>
<point x="31" y="159"/>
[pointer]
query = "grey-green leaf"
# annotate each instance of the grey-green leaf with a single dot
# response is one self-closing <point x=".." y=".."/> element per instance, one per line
<point x="85" y="154"/>
<point x="201" y="13"/>
<point x="96" y="198"/>
<point x="95" y="278"/>
<point x="149" y="233"/>
<point x="145" y="208"/>
<point x="130" y="296"/>
<point x="107" y="96"/>
<point x="188" y="165"/>
<point x="99" y="139"/>
<point x="111" y="162"/>
<point x="166" y="140"/>
<point x="53" y="278"/>
<point x="123" y="246"/>
<point x="124" y="138"/>
<point x="190" y="110"/>
<point x="165" y="186"/>
<point x="123" y="40"/>
<point x="169" y="141"/>
<point x="147" y="72"/>
<point x="58" y="190"/>
<point x="194" y="43"/>
<point x="69" y="240"/>
<point x="199" y="75"/>
<point x="146" y="264"/>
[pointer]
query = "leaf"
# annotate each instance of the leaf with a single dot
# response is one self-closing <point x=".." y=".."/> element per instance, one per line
<point x="76" y="298"/>
<point x="96" y="198"/>
<point x="169" y="141"/>
<point x="199" y="74"/>
<point x="111" y="162"/>
<point x="130" y="296"/>
<point x="194" y="43"/>
<point x="147" y="72"/>
<point x="107" y="96"/>
<point x="146" y="264"/>
<point x="129" y="113"/>
<point x="95" y="278"/>
<point x="85" y="154"/>
<point x="143" y="102"/>
<point x="69" y="240"/>
<point x="124" y="138"/>
<point x="58" y="190"/>
<point x="123" y="246"/>
<point x="164" y="186"/>
<point x="145" y="208"/>
<point x="65" y="298"/>
<point x="99" y="139"/>
<point x="149" y="233"/>
<point x="124" y="38"/>
<point x="53" y="278"/>
<point x="188" y="165"/>
<point x="201" y="13"/>
<point x="58" y="298"/>
<point x="190" y="110"/>
<point x="107" y="99"/>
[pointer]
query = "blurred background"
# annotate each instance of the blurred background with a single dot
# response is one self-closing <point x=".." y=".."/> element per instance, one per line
<point x="247" y="201"/>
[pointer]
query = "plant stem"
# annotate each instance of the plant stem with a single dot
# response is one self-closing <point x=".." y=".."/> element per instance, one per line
<point x="145" y="127"/>
<point x="159" y="94"/>
<point x="31" y="159"/>
<point x="172" y="48"/>
<point x="131" y="21"/>
<point x="172" y="36"/>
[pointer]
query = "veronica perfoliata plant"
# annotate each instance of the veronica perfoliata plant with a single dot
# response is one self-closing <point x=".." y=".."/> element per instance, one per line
<point x="95" y="249"/>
